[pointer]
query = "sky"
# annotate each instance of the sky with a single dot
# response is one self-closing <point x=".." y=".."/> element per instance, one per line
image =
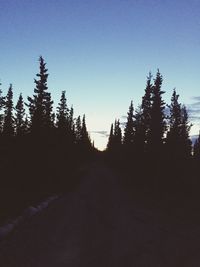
<point x="100" y="52"/>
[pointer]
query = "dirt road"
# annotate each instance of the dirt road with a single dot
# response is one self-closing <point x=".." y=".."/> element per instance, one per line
<point x="99" y="226"/>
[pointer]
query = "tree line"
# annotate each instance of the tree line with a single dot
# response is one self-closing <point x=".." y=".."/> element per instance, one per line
<point x="41" y="121"/>
<point x="155" y="129"/>
<point x="153" y="154"/>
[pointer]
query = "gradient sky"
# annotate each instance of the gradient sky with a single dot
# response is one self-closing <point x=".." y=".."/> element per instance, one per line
<point x="100" y="52"/>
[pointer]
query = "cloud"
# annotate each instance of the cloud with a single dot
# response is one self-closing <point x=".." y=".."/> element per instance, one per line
<point x="194" y="113"/>
<point x="167" y="111"/>
<point x="194" y="109"/>
<point x="196" y="104"/>
<point x="123" y="117"/>
<point x="102" y="133"/>
<point x="194" y="118"/>
<point x="193" y="138"/>
<point x="123" y="124"/>
<point x="196" y="98"/>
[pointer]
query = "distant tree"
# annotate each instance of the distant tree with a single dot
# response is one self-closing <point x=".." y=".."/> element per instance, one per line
<point x="8" y="127"/>
<point x="178" y="143"/>
<point x="93" y="146"/>
<point x="40" y="105"/>
<point x="129" y="130"/>
<point x="65" y="120"/>
<point x="196" y="148"/>
<point x="157" y="117"/>
<point x="117" y="136"/>
<point x="62" y="114"/>
<point x="20" y="124"/>
<point x="110" y="139"/>
<point x="85" y="139"/>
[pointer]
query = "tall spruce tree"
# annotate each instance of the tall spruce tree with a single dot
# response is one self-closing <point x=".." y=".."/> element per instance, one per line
<point x="173" y="139"/>
<point x="157" y="115"/>
<point x="186" y="144"/>
<point x="8" y="127"/>
<point x="145" y="112"/>
<point x="20" y="124"/>
<point x="129" y="130"/>
<point x="71" y="125"/>
<point x="40" y="105"/>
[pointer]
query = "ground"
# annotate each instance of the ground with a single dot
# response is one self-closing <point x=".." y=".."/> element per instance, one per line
<point x="100" y="225"/>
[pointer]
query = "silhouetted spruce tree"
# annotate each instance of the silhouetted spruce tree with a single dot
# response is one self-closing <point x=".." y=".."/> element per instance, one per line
<point x="178" y="143"/>
<point x="93" y="146"/>
<point x="129" y="130"/>
<point x="20" y="124"/>
<point x="186" y="144"/>
<point x="145" y="112"/>
<point x="196" y="148"/>
<point x="173" y="139"/>
<point x="40" y="105"/>
<point x="110" y="139"/>
<point x="65" y="120"/>
<point x="117" y="136"/>
<point x="85" y="139"/>
<point x="8" y="126"/>
<point x="62" y="114"/>
<point x="157" y="115"/>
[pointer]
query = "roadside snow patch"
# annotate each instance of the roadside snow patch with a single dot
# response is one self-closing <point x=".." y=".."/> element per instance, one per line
<point x="27" y="213"/>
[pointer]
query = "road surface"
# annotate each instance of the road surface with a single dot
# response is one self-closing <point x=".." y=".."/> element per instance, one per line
<point x="98" y="225"/>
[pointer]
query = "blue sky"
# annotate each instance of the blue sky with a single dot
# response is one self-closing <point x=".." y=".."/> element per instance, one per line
<point x="100" y="52"/>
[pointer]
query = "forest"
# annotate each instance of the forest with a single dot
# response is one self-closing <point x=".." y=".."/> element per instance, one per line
<point x="42" y="151"/>
<point x="154" y="154"/>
